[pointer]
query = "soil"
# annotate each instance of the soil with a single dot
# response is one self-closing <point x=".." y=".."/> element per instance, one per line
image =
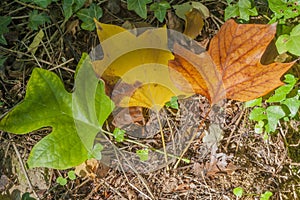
<point x="242" y="158"/>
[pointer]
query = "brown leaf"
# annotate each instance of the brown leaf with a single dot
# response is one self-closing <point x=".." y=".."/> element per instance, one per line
<point x="232" y="67"/>
<point x="193" y="23"/>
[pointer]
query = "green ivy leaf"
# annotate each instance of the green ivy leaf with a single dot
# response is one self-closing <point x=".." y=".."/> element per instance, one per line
<point x="71" y="6"/>
<point x="243" y="9"/>
<point x="266" y="195"/>
<point x="36" y="19"/>
<point x="139" y="6"/>
<point x="258" y="114"/>
<point x="283" y="91"/>
<point x="143" y="154"/>
<point x="254" y="102"/>
<point x="238" y="191"/>
<point x="160" y="9"/>
<point x="87" y="16"/>
<point x="4" y="22"/>
<point x="259" y="127"/>
<point x="293" y="104"/>
<point x="274" y="114"/>
<point x="61" y="181"/>
<point x="74" y="125"/>
<point x="42" y="3"/>
<point x="290" y="43"/>
<point x="173" y="103"/>
<point x="72" y="175"/>
<point x="96" y="152"/>
<point x="284" y="9"/>
<point x="231" y="11"/>
<point x="119" y="134"/>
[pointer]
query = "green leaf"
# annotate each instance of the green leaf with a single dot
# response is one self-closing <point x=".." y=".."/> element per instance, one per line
<point x="290" y="78"/>
<point x="258" y="114"/>
<point x="36" y="19"/>
<point x="72" y="175"/>
<point x="243" y="9"/>
<point x="61" y="181"/>
<point x="173" y="103"/>
<point x="74" y="125"/>
<point x="283" y="91"/>
<point x="266" y="195"/>
<point x="231" y="11"/>
<point x="143" y="154"/>
<point x="289" y="43"/>
<point x="87" y="16"/>
<point x="259" y="127"/>
<point x="26" y="196"/>
<point x="71" y="6"/>
<point x="139" y="6"/>
<point x="274" y="114"/>
<point x="238" y="191"/>
<point x="293" y="104"/>
<point x="254" y="102"/>
<point x="119" y="134"/>
<point x="160" y="9"/>
<point x="284" y="9"/>
<point x="42" y="3"/>
<point x="96" y="152"/>
<point x="4" y="22"/>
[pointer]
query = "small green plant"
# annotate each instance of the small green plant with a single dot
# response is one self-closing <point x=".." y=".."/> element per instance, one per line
<point x="37" y="18"/>
<point x="239" y="192"/>
<point x="119" y="134"/>
<point x="289" y="42"/>
<point x="173" y="103"/>
<point x="242" y="9"/>
<point x="140" y="8"/>
<point x="87" y="16"/>
<point x="160" y="9"/>
<point x="63" y="181"/>
<point x="283" y="104"/>
<point x="283" y="10"/>
<point x="143" y="154"/>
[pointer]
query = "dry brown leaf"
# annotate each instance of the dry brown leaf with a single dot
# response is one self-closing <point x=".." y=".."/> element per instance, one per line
<point x="193" y="23"/>
<point x="232" y="67"/>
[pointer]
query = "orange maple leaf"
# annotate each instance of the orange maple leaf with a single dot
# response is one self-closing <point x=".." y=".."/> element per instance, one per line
<point x="232" y="66"/>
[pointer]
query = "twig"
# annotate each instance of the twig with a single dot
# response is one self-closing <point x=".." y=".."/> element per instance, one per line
<point x="163" y="140"/>
<point x="24" y="170"/>
<point x="140" y="177"/>
<point x="234" y="129"/>
<point x="192" y="138"/>
<point x="58" y="66"/>
<point x="31" y="6"/>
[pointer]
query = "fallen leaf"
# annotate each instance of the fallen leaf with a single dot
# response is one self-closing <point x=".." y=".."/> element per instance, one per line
<point x="232" y="67"/>
<point x="193" y="23"/>
<point x="71" y="116"/>
<point x="36" y="42"/>
<point x="184" y="8"/>
<point x="141" y="64"/>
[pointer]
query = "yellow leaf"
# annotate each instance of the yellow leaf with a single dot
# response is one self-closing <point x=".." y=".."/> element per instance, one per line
<point x="141" y="59"/>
